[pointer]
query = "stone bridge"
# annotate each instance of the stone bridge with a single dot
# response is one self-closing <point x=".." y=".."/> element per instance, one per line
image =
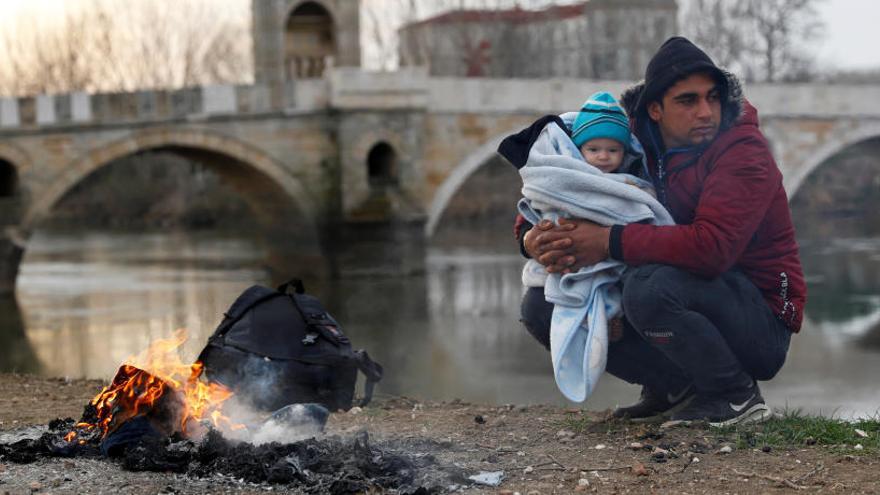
<point x="350" y="148"/>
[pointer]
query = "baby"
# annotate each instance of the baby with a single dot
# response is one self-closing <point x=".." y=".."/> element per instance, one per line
<point x="601" y="132"/>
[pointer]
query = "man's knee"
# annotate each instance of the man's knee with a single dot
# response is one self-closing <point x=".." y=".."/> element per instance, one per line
<point x="651" y="291"/>
<point x="536" y="314"/>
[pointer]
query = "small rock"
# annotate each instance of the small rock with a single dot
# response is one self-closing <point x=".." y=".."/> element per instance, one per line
<point x="521" y="454"/>
<point x="35" y="486"/>
<point x="636" y="446"/>
<point x="580" y="488"/>
<point x="861" y="433"/>
<point x="479" y="419"/>
<point x="810" y="441"/>
<point x="354" y="411"/>
<point x="858" y="446"/>
<point x="766" y="448"/>
<point x="727" y="449"/>
<point x="533" y="492"/>
<point x="659" y="455"/>
<point x="601" y="446"/>
<point x="506" y="492"/>
<point x="528" y="469"/>
<point x="583" y="482"/>
<point x="639" y="469"/>
<point x="660" y="451"/>
<point x="695" y="460"/>
<point x="565" y="434"/>
<point x="521" y="409"/>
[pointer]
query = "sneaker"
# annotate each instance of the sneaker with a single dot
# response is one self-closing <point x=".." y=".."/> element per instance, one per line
<point x="748" y="407"/>
<point x="655" y="407"/>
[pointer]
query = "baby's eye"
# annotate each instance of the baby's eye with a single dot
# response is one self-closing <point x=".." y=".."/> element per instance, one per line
<point x="593" y="150"/>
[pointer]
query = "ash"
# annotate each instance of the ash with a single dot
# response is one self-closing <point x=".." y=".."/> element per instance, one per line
<point x="332" y="464"/>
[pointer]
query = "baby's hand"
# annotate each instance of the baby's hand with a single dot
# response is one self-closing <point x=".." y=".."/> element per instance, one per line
<point x="615" y="329"/>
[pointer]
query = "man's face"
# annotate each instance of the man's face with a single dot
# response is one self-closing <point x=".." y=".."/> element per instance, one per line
<point x="690" y="112"/>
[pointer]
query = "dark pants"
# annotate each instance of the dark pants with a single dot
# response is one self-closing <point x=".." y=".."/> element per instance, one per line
<point x="718" y="334"/>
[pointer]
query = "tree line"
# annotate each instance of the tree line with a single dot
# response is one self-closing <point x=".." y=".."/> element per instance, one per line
<point x="125" y="45"/>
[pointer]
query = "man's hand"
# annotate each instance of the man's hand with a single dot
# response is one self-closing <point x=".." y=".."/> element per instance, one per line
<point x="568" y="247"/>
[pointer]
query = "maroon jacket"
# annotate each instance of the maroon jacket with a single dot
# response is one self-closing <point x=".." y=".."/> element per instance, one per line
<point x="730" y="209"/>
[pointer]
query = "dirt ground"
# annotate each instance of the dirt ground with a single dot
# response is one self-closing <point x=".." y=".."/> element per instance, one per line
<point x="540" y="449"/>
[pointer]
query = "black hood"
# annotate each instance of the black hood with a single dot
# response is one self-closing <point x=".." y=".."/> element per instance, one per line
<point x="677" y="59"/>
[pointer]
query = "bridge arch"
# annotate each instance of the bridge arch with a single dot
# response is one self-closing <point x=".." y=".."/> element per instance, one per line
<point x="310" y="39"/>
<point x="460" y="174"/>
<point x="8" y="179"/>
<point x="258" y="172"/>
<point x="382" y="164"/>
<point x="799" y="174"/>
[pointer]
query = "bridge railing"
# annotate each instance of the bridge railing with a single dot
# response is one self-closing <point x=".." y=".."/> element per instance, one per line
<point x="160" y="105"/>
<point x="348" y="88"/>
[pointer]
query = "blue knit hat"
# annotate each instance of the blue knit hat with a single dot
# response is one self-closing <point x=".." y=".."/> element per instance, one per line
<point x="600" y="117"/>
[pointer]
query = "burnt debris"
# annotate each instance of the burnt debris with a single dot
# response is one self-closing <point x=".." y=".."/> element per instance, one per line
<point x="329" y="465"/>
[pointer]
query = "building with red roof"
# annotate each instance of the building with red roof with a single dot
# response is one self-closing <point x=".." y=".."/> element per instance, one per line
<point x="594" y="39"/>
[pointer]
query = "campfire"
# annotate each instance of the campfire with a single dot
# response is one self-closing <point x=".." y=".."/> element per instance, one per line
<point x="160" y="414"/>
<point x="162" y="391"/>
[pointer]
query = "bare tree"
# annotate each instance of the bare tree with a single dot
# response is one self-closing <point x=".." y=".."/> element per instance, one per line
<point x="124" y="45"/>
<point x="763" y="40"/>
<point x="781" y="29"/>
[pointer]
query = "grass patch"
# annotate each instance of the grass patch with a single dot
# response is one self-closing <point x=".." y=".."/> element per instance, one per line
<point x="795" y="429"/>
<point x="584" y="423"/>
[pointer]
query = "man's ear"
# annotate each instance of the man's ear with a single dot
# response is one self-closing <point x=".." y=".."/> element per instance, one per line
<point x="655" y="111"/>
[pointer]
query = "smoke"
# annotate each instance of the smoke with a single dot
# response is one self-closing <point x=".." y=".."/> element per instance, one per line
<point x="251" y="413"/>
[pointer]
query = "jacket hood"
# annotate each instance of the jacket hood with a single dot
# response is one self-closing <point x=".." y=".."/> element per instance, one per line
<point x="732" y="105"/>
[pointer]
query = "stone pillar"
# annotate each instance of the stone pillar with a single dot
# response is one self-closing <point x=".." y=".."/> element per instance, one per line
<point x="11" y="251"/>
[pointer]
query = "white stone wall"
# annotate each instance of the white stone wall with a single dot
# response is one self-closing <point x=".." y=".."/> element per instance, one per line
<point x="613" y="39"/>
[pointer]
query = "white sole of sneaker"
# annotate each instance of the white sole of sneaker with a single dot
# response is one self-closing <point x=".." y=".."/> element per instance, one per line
<point x="755" y="414"/>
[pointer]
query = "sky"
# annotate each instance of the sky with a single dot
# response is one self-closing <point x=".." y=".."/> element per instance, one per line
<point x="851" y="38"/>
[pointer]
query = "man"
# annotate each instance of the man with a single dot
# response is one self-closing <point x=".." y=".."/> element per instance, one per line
<point x="710" y="302"/>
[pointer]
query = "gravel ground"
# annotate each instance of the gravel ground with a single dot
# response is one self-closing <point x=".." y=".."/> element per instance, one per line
<point x="540" y="449"/>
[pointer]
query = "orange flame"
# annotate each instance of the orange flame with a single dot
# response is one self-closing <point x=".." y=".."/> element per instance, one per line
<point x="158" y="374"/>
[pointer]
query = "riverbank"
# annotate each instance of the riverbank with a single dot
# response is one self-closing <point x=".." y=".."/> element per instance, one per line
<point x="540" y="449"/>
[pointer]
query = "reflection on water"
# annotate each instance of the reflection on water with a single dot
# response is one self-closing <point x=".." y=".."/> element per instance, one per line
<point x="90" y="301"/>
<point x="16" y="352"/>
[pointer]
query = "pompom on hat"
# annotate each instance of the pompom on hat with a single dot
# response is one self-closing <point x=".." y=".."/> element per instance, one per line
<point x="601" y="116"/>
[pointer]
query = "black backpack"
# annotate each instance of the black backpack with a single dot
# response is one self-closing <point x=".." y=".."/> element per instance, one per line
<point x="279" y="347"/>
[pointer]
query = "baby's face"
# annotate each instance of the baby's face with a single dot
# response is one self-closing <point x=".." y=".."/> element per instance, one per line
<point x="603" y="153"/>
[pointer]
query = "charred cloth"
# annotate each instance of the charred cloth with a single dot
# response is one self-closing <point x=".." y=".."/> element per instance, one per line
<point x="328" y="465"/>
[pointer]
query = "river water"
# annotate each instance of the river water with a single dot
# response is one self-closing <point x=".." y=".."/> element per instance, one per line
<point x="86" y="301"/>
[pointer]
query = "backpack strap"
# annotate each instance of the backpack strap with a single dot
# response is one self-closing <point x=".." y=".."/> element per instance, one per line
<point x="317" y="318"/>
<point x="295" y="284"/>
<point x="372" y="371"/>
